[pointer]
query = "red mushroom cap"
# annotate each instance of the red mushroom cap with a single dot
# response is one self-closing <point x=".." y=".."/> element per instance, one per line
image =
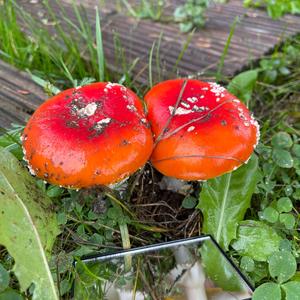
<point x="201" y="130"/>
<point x="90" y="135"/>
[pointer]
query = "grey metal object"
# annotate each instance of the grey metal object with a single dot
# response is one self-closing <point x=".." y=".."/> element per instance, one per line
<point x="172" y="268"/>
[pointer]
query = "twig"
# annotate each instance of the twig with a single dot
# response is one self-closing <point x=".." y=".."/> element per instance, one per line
<point x="199" y="156"/>
<point x="161" y="135"/>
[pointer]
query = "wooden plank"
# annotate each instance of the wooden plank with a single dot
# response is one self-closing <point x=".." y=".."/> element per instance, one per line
<point x="19" y="96"/>
<point x="255" y="35"/>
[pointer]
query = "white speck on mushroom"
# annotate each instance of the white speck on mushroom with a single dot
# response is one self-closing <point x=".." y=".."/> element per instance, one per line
<point x="236" y="100"/>
<point x="131" y="107"/>
<point x="143" y="120"/>
<point x="216" y="89"/>
<point x="202" y="97"/>
<point x="247" y="124"/>
<point x="242" y="116"/>
<point x="235" y="167"/>
<point x="192" y="99"/>
<point x="205" y="88"/>
<point x="78" y="87"/>
<point x="179" y="111"/>
<point x="105" y="90"/>
<point x="102" y="123"/>
<point x="24" y="156"/>
<point x="218" y="99"/>
<point x="88" y="110"/>
<point x="247" y="160"/>
<point x="186" y="105"/>
<point x="200" y="108"/>
<point x="191" y="128"/>
<point x="183" y="111"/>
<point x="255" y="123"/>
<point x="31" y="170"/>
<point x="110" y="85"/>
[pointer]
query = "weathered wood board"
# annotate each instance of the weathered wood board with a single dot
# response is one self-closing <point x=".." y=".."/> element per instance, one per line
<point x="19" y="96"/>
<point x="255" y="35"/>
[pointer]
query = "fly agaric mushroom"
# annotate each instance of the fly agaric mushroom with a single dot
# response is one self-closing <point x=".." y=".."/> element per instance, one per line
<point x="90" y="135"/>
<point x="201" y="130"/>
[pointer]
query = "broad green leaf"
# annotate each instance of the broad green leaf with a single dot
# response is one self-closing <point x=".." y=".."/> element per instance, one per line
<point x="219" y="270"/>
<point x="295" y="7"/>
<point x="292" y="290"/>
<point x="10" y="140"/>
<point x="283" y="158"/>
<point x="10" y="295"/>
<point x="288" y="220"/>
<point x="296" y="150"/>
<point x="284" y="71"/>
<point x="186" y="27"/>
<point x="282" y="140"/>
<point x="243" y="84"/>
<point x="61" y="218"/>
<point x="285" y="245"/>
<point x="54" y="191"/>
<point x="284" y="204"/>
<point x="270" y="214"/>
<point x="256" y="240"/>
<point x="267" y="291"/>
<point x="4" y="278"/>
<point x="225" y="199"/>
<point x="247" y="264"/>
<point x="189" y="202"/>
<point x="282" y="266"/>
<point x="28" y="227"/>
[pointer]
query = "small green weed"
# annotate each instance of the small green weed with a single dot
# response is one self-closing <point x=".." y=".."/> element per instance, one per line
<point x="53" y="58"/>
<point x="276" y="8"/>
<point x="146" y="9"/>
<point x="191" y="14"/>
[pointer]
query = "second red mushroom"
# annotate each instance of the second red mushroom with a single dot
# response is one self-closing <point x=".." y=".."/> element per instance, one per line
<point x="201" y="130"/>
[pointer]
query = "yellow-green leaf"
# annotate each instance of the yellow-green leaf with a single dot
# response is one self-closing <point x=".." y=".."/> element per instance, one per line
<point x="28" y="227"/>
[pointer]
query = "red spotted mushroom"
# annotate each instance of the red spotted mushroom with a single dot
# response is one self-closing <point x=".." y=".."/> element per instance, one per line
<point x="201" y="130"/>
<point x="91" y="135"/>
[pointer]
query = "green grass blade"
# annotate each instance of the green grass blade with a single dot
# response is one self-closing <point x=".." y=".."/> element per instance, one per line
<point x="67" y="72"/>
<point x="225" y="50"/>
<point x="185" y="46"/>
<point x="158" y="68"/>
<point x="99" y="45"/>
<point x="130" y="9"/>
<point x="150" y="64"/>
<point x="46" y="85"/>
